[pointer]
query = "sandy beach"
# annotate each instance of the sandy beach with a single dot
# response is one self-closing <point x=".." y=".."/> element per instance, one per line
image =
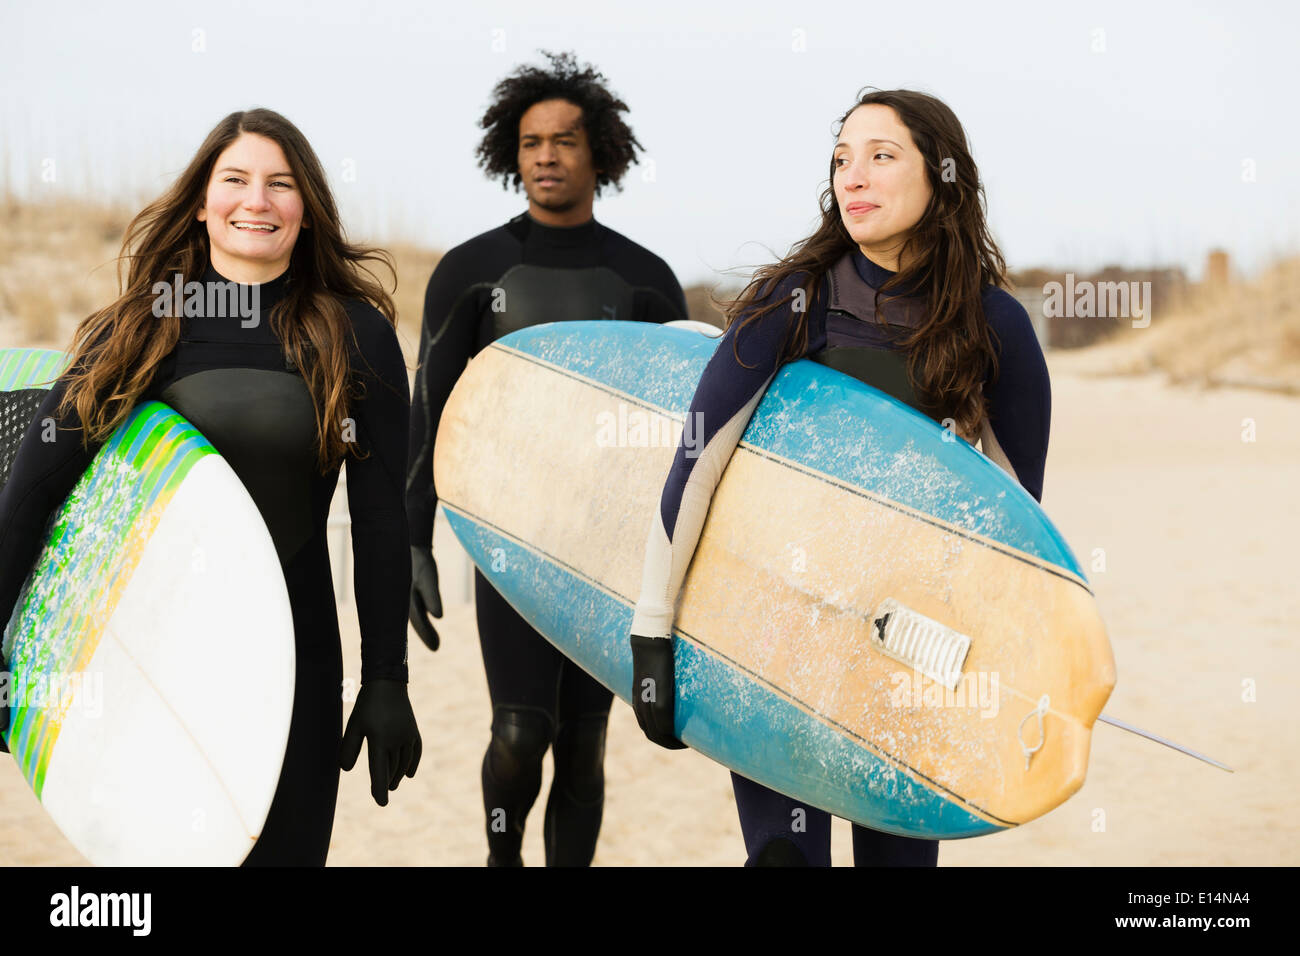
<point x="1196" y="527"/>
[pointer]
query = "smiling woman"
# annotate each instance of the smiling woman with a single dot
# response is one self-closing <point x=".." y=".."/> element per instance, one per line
<point x="313" y="381"/>
<point x="253" y="210"/>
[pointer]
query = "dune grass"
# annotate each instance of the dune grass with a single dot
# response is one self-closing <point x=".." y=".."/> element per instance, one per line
<point x="58" y="263"/>
<point x="1243" y="333"/>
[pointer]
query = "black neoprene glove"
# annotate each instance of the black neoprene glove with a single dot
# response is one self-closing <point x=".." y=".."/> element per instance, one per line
<point x="425" y="601"/>
<point x="653" y="689"/>
<point x="383" y="716"/>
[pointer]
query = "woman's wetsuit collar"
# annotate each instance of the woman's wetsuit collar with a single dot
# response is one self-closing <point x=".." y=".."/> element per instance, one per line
<point x="267" y="292"/>
<point x="876" y="276"/>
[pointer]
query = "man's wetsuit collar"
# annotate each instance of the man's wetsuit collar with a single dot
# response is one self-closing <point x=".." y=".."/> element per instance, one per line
<point x="574" y="235"/>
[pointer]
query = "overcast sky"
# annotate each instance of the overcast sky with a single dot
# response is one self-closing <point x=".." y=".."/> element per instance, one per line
<point x="1138" y="133"/>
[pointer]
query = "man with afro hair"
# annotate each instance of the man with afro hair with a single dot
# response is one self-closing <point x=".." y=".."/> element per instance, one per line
<point x="559" y="134"/>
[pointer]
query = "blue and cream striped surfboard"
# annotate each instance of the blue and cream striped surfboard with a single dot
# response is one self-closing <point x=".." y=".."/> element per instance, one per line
<point x="877" y="621"/>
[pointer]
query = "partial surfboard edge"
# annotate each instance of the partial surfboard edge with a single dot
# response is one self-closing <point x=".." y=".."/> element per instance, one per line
<point x="30" y="368"/>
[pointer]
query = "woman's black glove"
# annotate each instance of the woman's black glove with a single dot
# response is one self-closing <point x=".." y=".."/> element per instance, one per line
<point x="383" y="715"/>
<point x="425" y="601"/>
<point x="653" y="689"/>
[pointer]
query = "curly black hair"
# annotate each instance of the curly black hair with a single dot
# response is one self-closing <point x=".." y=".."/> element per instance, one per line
<point x="613" y="144"/>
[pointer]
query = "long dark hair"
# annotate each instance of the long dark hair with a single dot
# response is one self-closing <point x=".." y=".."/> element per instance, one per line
<point x="947" y="258"/>
<point x="117" y="349"/>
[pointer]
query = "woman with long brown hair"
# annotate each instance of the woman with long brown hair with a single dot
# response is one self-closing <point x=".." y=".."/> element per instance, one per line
<point x="289" y="365"/>
<point x="899" y="287"/>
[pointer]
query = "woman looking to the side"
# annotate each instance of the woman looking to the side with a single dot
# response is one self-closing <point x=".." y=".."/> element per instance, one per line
<point x="899" y="287"/>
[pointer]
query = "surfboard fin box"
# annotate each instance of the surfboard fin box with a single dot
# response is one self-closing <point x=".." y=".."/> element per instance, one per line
<point x="922" y="643"/>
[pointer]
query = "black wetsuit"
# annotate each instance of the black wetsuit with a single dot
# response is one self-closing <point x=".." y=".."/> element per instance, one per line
<point x="844" y="334"/>
<point x="229" y="377"/>
<point x="517" y="275"/>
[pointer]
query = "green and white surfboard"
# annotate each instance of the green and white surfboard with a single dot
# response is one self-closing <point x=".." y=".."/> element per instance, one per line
<point x="151" y="650"/>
